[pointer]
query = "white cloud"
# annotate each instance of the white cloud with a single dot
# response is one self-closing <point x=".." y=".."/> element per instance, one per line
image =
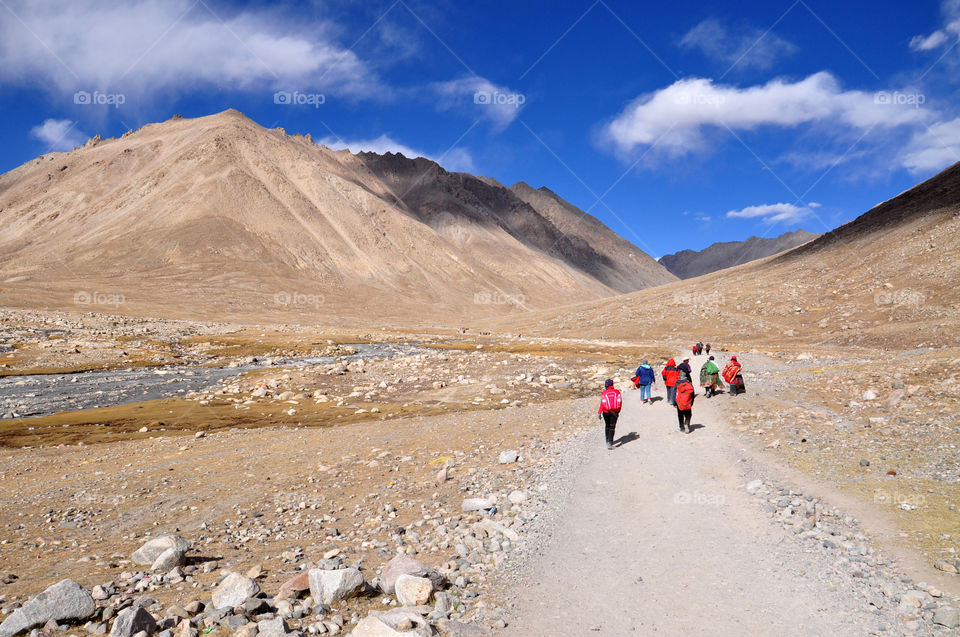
<point x="750" y="48"/>
<point x="951" y="17"/>
<point x="772" y="213"/>
<point x="456" y="159"/>
<point x="481" y="98"/>
<point x="58" y="134"/>
<point x="929" y="42"/>
<point x="933" y="148"/>
<point x="145" y="48"/>
<point x="677" y="118"/>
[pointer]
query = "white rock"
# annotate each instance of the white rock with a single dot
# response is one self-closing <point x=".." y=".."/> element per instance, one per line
<point x="329" y="586"/>
<point x="234" y="590"/>
<point x="398" y="622"/>
<point x="508" y="457"/>
<point x="517" y="497"/>
<point x="149" y="552"/>
<point x="413" y="591"/>
<point x="476" y="504"/>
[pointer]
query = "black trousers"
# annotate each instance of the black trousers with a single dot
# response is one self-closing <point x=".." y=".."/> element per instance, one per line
<point x="610" y="425"/>
<point x="684" y="416"/>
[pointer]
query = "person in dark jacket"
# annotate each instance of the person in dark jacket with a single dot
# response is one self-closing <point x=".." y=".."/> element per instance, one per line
<point x="646" y="378"/>
<point x="670" y="376"/>
<point x="685" y="368"/>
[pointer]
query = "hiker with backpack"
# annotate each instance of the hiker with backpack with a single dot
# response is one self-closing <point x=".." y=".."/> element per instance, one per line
<point x="733" y="374"/>
<point x="707" y="349"/>
<point x="685" y="396"/>
<point x="645" y="379"/>
<point x="685" y="368"/>
<point x="670" y="375"/>
<point x="610" y="403"/>
<point x="710" y="378"/>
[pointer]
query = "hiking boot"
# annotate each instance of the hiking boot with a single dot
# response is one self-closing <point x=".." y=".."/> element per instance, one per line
<point x="609" y="446"/>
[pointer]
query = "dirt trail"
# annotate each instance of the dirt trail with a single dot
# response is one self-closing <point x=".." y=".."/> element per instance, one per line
<point x="659" y="536"/>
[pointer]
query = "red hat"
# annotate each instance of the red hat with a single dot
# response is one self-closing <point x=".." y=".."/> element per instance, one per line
<point x="733" y="358"/>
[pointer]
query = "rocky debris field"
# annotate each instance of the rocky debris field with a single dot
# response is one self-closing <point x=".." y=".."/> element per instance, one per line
<point x="283" y="530"/>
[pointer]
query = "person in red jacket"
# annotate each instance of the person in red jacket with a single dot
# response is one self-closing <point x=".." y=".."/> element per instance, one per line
<point x="610" y="403"/>
<point x="670" y="375"/>
<point x="733" y="374"/>
<point x="684" y="396"/>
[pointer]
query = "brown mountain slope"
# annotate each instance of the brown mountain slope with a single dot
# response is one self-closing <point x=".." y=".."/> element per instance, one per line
<point x="687" y="264"/>
<point x="887" y="279"/>
<point x="217" y="216"/>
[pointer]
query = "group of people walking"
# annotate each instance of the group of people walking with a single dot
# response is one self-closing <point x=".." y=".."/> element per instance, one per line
<point x="678" y="381"/>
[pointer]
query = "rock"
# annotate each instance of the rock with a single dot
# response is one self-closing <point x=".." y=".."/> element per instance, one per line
<point x="294" y="586"/>
<point x="64" y="600"/>
<point x="272" y="627"/>
<point x="508" y="457"/>
<point x="247" y="630"/>
<point x="405" y="565"/>
<point x="398" y="622"/>
<point x="169" y="559"/>
<point x="412" y="590"/>
<point x="452" y="628"/>
<point x="255" y="572"/>
<point x="869" y="395"/>
<point x="148" y="553"/>
<point x="133" y="620"/>
<point x="864" y="463"/>
<point x="754" y="485"/>
<point x="234" y="590"/>
<point x="947" y="616"/>
<point x="327" y="587"/>
<point x="476" y="504"/>
<point x="517" y="497"/>
<point x="945" y="566"/>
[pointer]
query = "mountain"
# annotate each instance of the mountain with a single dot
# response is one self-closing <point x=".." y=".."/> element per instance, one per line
<point x="886" y="280"/>
<point x="219" y="217"/>
<point x="687" y="264"/>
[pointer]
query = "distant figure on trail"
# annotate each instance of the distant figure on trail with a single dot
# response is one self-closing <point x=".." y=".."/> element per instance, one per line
<point x="610" y="403"/>
<point x="707" y="348"/>
<point x="645" y="379"/>
<point x="685" y="396"/>
<point x="710" y="378"/>
<point x="699" y="348"/>
<point x="733" y="374"/>
<point x="685" y="368"/>
<point x="670" y="375"/>
<point x="694" y="349"/>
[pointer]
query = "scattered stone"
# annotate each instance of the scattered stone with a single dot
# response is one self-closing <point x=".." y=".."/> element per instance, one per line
<point x="234" y="590"/>
<point x="945" y="566"/>
<point x="412" y="590"/>
<point x="476" y="504"/>
<point x="328" y="586"/>
<point x="453" y="628"/>
<point x="169" y="559"/>
<point x="64" y="600"/>
<point x="508" y="457"/>
<point x="272" y="627"/>
<point x="405" y="565"/>
<point x="133" y="620"/>
<point x="398" y="622"/>
<point x="864" y="463"/>
<point x="294" y="586"/>
<point x="947" y="616"/>
<point x="149" y="552"/>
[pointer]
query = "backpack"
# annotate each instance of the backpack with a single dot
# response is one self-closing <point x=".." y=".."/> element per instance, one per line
<point x="611" y="401"/>
<point x="685" y="395"/>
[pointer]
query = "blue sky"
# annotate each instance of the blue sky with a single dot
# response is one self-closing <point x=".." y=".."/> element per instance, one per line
<point x="678" y="124"/>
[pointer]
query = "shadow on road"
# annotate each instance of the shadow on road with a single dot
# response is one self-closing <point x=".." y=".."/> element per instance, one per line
<point x="630" y="437"/>
<point x="694" y="426"/>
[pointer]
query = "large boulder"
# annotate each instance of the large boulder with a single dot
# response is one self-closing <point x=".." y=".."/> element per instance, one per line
<point x="147" y="554"/>
<point x="413" y="590"/>
<point x="234" y="590"/>
<point x="327" y="587"/>
<point x="398" y="622"/>
<point x="169" y="559"/>
<point x="131" y="621"/>
<point x="405" y="565"/>
<point x="294" y="586"/>
<point x="64" y="600"/>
